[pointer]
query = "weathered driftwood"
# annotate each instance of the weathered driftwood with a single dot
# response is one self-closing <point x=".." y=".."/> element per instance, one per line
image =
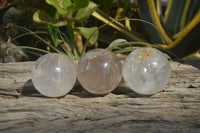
<point x="176" y="109"/>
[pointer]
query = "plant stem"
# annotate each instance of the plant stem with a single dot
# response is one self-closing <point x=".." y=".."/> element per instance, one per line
<point x="53" y="34"/>
<point x="70" y="27"/>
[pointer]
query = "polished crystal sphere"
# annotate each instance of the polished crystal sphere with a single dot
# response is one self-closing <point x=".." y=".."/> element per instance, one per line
<point x="99" y="71"/>
<point x="146" y="71"/>
<point x="54" y="75"/>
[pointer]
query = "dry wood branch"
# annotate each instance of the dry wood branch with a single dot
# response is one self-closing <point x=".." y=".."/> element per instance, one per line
<point x="176" y="109"/>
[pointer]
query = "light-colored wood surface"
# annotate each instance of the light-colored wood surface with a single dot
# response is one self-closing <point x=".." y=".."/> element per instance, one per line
<point x="176" y="109"/>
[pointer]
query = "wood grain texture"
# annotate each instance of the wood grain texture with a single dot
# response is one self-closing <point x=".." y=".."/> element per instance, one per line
<point x="176" y="109"/>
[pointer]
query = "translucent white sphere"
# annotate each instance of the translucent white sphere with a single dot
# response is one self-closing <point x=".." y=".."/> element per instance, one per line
<point x="99" y="71"/>
<point x="146" y="71"/>
<point x="54" y="75"/>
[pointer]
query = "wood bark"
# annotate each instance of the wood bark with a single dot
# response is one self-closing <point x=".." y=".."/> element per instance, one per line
<point x="176" y="109"/>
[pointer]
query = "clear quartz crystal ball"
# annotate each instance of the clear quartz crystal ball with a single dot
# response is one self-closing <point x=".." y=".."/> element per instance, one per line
<point x="99" y="71"/>
<point x="54" y="75"/>
<point x="146" y="71"/>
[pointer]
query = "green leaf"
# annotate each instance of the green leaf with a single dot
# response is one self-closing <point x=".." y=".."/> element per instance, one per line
<point x="194" y="7"/>
<point x="117" y="41"/>
<point x="158" y="5"/>
<point x="179" y="13"/>
<point x="188" y="41"/>
<point x="81" y="3"/>
<point x="89" y="33"/>
<point x="42" y="17"/>
<point x="66" y="3"/>
<point x="148" y="12"/>
<point x="84" y="13"/>
<point x="60" y="5"/>
<point x="173" y="22"/>
<point x="66" y="8"/>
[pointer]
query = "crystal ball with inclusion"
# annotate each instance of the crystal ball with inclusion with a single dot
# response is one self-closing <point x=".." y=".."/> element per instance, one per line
<point x="146" y="71"/>
<point x="99" y="71"/>
<point x="54" y="75"/>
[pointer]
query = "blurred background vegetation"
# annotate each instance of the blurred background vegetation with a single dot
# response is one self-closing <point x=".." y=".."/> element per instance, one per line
<point x="40" y="26"/>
